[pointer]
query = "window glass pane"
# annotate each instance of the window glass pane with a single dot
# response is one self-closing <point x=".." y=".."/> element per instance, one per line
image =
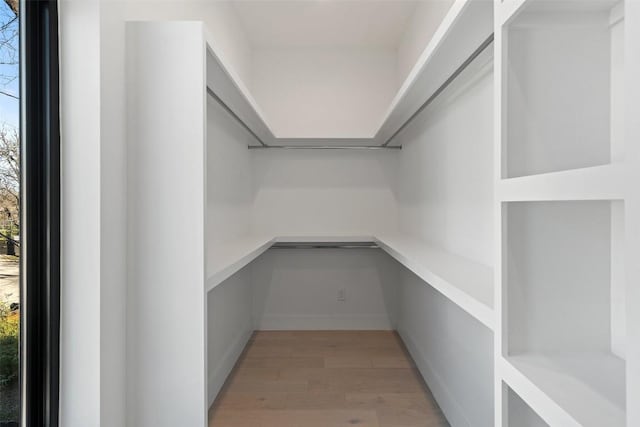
<point x="9" y="212"/>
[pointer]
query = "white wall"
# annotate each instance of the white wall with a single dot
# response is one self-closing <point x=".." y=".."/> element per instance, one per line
<point x="80" y="333"/>
<point x="220" y="21"/>
<point x="618" y="278"/>
<point x="298" y="289"/>
<point x="558" y="273"/>
<point x="453" y="351"/>
<point x="113" y="255"/>
<point x="320" y="192"/>
<point x="229" y="198"/>
<point x="423" y="23"/>
<point x="444" y="191"/>
<point x="229" y="183"/>
<point x="445" y="185"/>
<point x="632" y="205"/>
<point x="324" y="92"/>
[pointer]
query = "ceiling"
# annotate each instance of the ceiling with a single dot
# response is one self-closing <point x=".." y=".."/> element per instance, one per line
<point x="325" y="23"/>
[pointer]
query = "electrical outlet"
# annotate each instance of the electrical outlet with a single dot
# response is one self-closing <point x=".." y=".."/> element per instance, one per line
<point x="342" y="295"/>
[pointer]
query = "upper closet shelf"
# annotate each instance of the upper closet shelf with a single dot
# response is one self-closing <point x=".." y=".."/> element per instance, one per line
<point x="465" y="32"/>
<point x="466" y="283"/>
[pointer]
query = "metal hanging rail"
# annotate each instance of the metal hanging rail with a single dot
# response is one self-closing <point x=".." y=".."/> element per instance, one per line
<point x="325" y="147"/>
<point x="385" y="145"/>
<point x="442" y="87"/>
<point x="235" y="116"/>
<point x="325" y="245"/>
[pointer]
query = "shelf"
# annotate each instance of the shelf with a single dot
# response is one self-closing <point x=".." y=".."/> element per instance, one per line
<point x="562" y="86"/>
<point x="570" y="390"/>
<point x="564" y="309"/>
<point x="227" y="259"/>
<point x="466" y="283"/>
<point x="228" y="86"/>
<point x="507" y="10"/>
<point x="563" y="266"/>
<point x="465" y="27"/>
<point x="594" y="183"/>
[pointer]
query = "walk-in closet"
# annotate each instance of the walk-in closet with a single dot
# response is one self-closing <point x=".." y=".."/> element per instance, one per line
<point x="383" y="213"/>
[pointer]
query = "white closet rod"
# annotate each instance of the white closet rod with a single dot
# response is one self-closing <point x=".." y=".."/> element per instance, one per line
<point x="384" y="146"/>
<point x="325" y="245"/>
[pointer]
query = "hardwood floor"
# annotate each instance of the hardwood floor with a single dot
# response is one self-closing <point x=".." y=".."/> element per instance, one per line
<point x="325" y="379"/>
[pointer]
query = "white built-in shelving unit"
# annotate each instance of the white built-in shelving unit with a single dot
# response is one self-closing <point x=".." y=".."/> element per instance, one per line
<point x="562" y="343"/>
<point x="536" y="301"/>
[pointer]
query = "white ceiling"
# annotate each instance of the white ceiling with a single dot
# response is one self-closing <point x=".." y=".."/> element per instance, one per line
<point x="325" y="23"/>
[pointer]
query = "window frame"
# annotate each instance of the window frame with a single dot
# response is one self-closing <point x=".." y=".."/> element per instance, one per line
<point x="40" y="214"/>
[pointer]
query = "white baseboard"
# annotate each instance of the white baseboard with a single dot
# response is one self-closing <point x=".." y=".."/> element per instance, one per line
<point x="325" y="322"/>
<point x="220" y="373"/>
<point x="451" y="408"/>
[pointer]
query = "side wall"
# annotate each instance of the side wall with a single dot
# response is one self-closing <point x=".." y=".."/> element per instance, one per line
<point x="445" y="184"/>
<point x="453" y="351"/>
<point x="229" y="326"/>
<point x="229" y="195"/>
<point x="445" y="194"/>
<point x="229" y="185"/>
<point x="80" y="332"/>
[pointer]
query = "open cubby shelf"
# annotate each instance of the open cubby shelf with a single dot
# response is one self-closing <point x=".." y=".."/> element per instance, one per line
<point x="588" y="388"/>
<point x="519" y="414"/>
<point x="565" y="310"/>
<point x="562" y="87"/>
